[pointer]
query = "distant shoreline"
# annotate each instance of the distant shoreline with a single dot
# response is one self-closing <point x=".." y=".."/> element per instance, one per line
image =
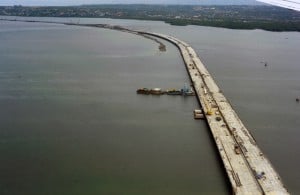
<point x="231" y="17"/>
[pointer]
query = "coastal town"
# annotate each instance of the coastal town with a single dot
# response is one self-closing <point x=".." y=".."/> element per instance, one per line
<point x="234" y="17"/>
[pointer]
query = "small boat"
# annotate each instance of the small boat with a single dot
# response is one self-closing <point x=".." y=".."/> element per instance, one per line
<point x="198" y="114"/>
<point x="265" y="63"/>
<point x="156" y="91"/>
<point x="143" y="91"/>
<point x="189" y="93"/>
<point x="173" y="92"/>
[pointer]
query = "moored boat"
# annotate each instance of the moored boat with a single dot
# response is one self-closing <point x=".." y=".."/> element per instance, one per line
<point x="143" y="91"/>
<point x="188" y="91"/>
<point x="156" y="91"/>
<point x="198" y="114"/>
<point x="174" y="92"/>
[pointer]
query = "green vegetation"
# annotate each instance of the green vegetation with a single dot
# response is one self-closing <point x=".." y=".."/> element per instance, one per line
<point x="270" y="26"/>
<point x="235" y="17"/>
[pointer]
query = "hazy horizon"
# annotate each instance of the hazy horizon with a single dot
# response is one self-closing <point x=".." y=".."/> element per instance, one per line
<point x="84" y="2"/>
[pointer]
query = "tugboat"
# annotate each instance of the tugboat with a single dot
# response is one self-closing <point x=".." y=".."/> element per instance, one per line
<point x="187" y="91"/>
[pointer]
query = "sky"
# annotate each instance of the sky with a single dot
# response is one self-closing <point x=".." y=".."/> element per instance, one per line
<point x="80" y="2"/>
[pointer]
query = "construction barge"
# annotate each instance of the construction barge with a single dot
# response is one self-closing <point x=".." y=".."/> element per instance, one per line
<point x="158" y="91"/>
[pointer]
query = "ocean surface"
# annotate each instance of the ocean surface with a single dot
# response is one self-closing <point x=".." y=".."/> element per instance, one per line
<point x="72" y="123"/>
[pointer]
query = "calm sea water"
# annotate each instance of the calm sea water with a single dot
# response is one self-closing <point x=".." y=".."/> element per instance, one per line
<point x="71" y="122"/>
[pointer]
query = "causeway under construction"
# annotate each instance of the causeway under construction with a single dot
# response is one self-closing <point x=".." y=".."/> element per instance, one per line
<point x="248" y="169"/>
